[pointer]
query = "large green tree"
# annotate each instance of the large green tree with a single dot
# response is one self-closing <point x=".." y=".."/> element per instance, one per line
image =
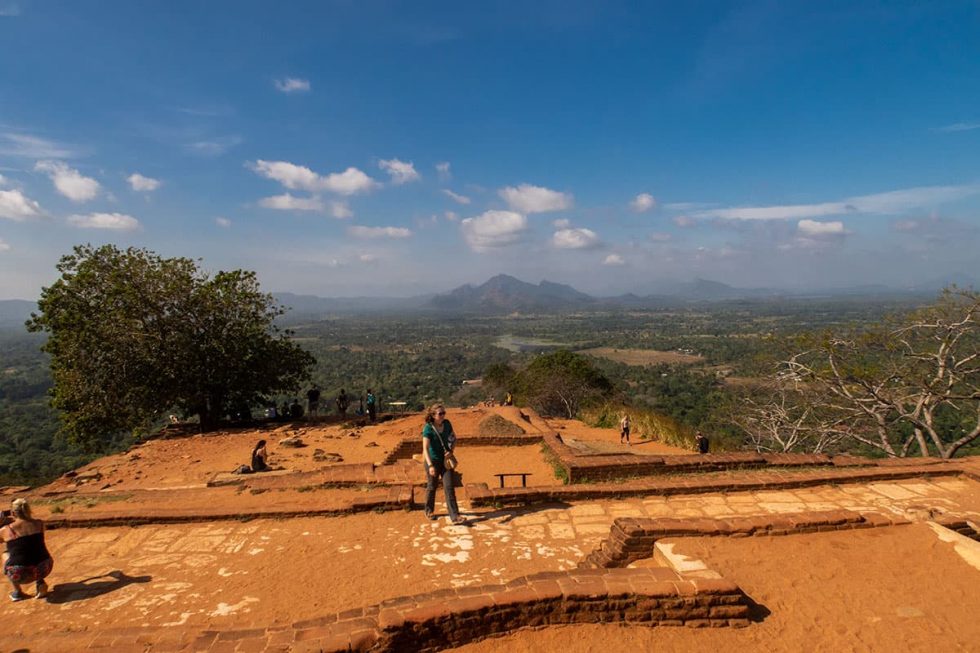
<point x="560" y="383"/>
<point x="133" y="336"/>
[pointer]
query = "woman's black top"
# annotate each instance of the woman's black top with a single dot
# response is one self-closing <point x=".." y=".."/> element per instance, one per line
<point x="27" y="550"/>
<point x="258" y="463"/>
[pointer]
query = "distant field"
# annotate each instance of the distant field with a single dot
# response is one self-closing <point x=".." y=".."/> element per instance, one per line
<point x="642" y="356"/>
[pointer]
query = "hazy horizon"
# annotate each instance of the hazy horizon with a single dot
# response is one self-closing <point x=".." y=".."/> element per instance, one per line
<point x="389" y="149"/>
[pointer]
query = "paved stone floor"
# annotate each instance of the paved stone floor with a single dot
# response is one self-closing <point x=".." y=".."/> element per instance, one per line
<point x="268" y="572"/>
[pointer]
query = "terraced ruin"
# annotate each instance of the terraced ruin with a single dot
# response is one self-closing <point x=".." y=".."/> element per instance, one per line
<point x="162" y="549"/>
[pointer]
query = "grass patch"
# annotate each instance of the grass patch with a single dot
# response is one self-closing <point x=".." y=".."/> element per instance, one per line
<point x="560" y="472"/>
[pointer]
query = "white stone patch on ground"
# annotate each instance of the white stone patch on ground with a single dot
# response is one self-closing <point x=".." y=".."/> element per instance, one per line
<point x="224" y="609"/>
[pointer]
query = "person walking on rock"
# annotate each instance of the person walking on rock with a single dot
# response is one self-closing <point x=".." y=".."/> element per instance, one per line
<point x="438" y="442"/>
<point x="624" y="429"/>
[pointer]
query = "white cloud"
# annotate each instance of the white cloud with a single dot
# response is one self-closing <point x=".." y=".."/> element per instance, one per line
<point x="222" y="222"/>
<point x="535" y="199"/>
<point x="958" y="127"/>
<point x="341" y="210"/>
<point x="214" y="146"/>
<point x="288" y="174"/>
<point x="575" y="239"/>
<point x="879" y="203"/>
<point x="614" y="259"/>
<point x="456" y="197"/>
<point x="643" y="202"/>
<point x="10" y="10"/>
<point x="367" y="258"/>
<point x="684" y="221"/>
<point x="401" y="172"/>
<point x="561" y="223"/>
<point x="452" y="216"/>
<point x="814" y="229"/>
<point x="33" y="147"/>
<point x="140" y="183"/>
<point x="4" y="246"/>
<point x="288" y="202"/>
<point x="68" y="181"/>
<point x="493" y="229"/>
<point x="115" y="221"/>
<point x="349" y="182"/>
<point x="3" y="180"/>
<point x="660" y="237"/>
<point x="444" y="171"/>
<point x="14" y="205"/>
<point x="359" y="231"/>
<point x="292" y="85"/>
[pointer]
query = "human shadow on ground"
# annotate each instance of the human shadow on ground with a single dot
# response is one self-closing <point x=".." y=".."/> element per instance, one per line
<point x="505" y="515"/>
<point x="93" y="587"/>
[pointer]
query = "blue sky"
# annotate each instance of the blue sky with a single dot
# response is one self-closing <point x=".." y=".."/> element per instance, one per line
<point x="390" y="148"/>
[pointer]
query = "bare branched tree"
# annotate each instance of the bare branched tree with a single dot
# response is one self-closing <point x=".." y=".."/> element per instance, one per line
<point x="909" y="385"/>
<point x="784" y="419"/>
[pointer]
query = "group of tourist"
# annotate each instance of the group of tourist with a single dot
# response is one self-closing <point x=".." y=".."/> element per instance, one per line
<point x="367" y="404"/>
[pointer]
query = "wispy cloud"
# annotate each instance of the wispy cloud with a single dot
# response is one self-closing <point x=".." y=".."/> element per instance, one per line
<point x="401" y="172"/>
<point x="4" y="247"/>
<point x="341" y="210"/>
<point x="957" y="127"/>
<point x="9" y="10"/>
<point x="34" y="147"/>
<point x="360" y="231"/>
<point x="891" y="202"/>
<point x="614" y="259"/>
<point x="456" y="197"/>
<point x="213" y="146"/>
<point x="289" y="202"/>
<point x="292" y="85"/>
<point x="222" y="222"/>
<point x="112" y="221"/>
<point x="444" y="171"/>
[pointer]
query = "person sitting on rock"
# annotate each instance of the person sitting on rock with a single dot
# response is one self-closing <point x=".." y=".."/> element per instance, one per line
<point x="27" y="559"/>
<point x="295" y="410"/>
<point x="260" y="457"/>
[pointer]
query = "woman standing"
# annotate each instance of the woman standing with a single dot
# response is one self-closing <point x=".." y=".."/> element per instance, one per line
<point x="27" y="559"/>
<point x="624" y="429"/>
<point x="438" y="441"/>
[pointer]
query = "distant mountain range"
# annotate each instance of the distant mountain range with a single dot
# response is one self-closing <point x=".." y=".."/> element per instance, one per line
<point x="505" y="294"/>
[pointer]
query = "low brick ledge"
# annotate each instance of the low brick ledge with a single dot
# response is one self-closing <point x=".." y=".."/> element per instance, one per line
<point x="588" y="467"/>
<point x="395" y="498"/>
<point x="453" y="617"/>
<point x="631" y="539"/>
<point x="479" y="494"/>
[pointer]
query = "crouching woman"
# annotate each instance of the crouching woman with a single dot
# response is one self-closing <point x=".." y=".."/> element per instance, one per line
<point x="27" y="559"/>
<point x="438" y="441"/>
